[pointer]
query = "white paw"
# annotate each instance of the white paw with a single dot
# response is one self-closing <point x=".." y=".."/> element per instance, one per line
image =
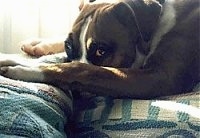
<point x="15" y="72"/>
<point x="22" y="73"/>
<point x="8" y="71"/>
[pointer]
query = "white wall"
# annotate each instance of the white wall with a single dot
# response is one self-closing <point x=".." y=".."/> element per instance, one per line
<point x="23" y="19"/>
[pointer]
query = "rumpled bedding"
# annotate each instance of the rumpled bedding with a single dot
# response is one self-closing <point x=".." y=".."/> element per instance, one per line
<point x="39" y="110"/>
<point x="32" y="109"/>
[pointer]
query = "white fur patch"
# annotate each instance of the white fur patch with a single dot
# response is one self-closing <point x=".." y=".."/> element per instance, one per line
<point x="23" y="68"/>
<point x="167" y="22"/>
<point x="82" y="40"/>
<point x="23" y="73"/>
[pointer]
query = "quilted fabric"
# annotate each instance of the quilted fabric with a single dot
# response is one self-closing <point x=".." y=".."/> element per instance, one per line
<point x="32" y="110"/>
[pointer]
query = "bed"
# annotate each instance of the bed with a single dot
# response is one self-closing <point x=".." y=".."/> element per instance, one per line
<point x="40" y="110"/>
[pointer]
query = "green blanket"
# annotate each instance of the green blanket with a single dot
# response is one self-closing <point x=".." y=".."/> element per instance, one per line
<point x="32" y="110"/>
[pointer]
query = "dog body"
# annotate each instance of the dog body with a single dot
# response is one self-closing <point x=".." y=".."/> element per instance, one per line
<point x="134" y="48"/>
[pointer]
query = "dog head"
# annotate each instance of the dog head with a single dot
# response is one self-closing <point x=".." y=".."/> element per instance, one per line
<point x="105" y="35"/>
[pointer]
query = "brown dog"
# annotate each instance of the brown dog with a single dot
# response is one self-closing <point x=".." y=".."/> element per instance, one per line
<point x="136" y="48"/>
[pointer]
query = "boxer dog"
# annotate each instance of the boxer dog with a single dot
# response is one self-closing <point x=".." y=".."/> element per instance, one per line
<point x="133" y="48"/>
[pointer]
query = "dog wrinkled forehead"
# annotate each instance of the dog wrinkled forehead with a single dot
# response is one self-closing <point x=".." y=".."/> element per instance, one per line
<point x="107" y="14"/>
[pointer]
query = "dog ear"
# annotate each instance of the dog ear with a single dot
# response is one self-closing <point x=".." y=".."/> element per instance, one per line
<point x="125" y="15"/>
<point x="147" y="14"/>
<point x="88" y="10"/>
<point x="144" y="15"/>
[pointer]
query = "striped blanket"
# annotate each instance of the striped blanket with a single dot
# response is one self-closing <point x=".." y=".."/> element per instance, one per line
<point x="128" y="118"/>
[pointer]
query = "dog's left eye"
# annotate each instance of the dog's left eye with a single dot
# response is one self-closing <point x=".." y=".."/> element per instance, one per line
<point x="100" y="52"/>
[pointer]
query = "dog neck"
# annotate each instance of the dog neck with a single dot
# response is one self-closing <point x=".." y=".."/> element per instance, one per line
<point x="164" y="25"/>
<point x="147" y="14"/>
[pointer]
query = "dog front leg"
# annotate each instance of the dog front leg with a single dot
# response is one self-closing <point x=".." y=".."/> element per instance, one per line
<point x="104" y="81"/>
<point x="108" y="81"/>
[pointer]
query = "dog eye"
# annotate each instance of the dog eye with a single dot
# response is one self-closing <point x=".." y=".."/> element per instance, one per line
<point x="68" y="48"/>
<point x="100" y="52"/>
<point x="100" y="49"/>
<point x="103" y="50"/>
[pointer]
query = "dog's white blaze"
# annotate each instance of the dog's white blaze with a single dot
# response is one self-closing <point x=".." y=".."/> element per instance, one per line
<point x="167" y="22"/>
<point x="82" y="40"/>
